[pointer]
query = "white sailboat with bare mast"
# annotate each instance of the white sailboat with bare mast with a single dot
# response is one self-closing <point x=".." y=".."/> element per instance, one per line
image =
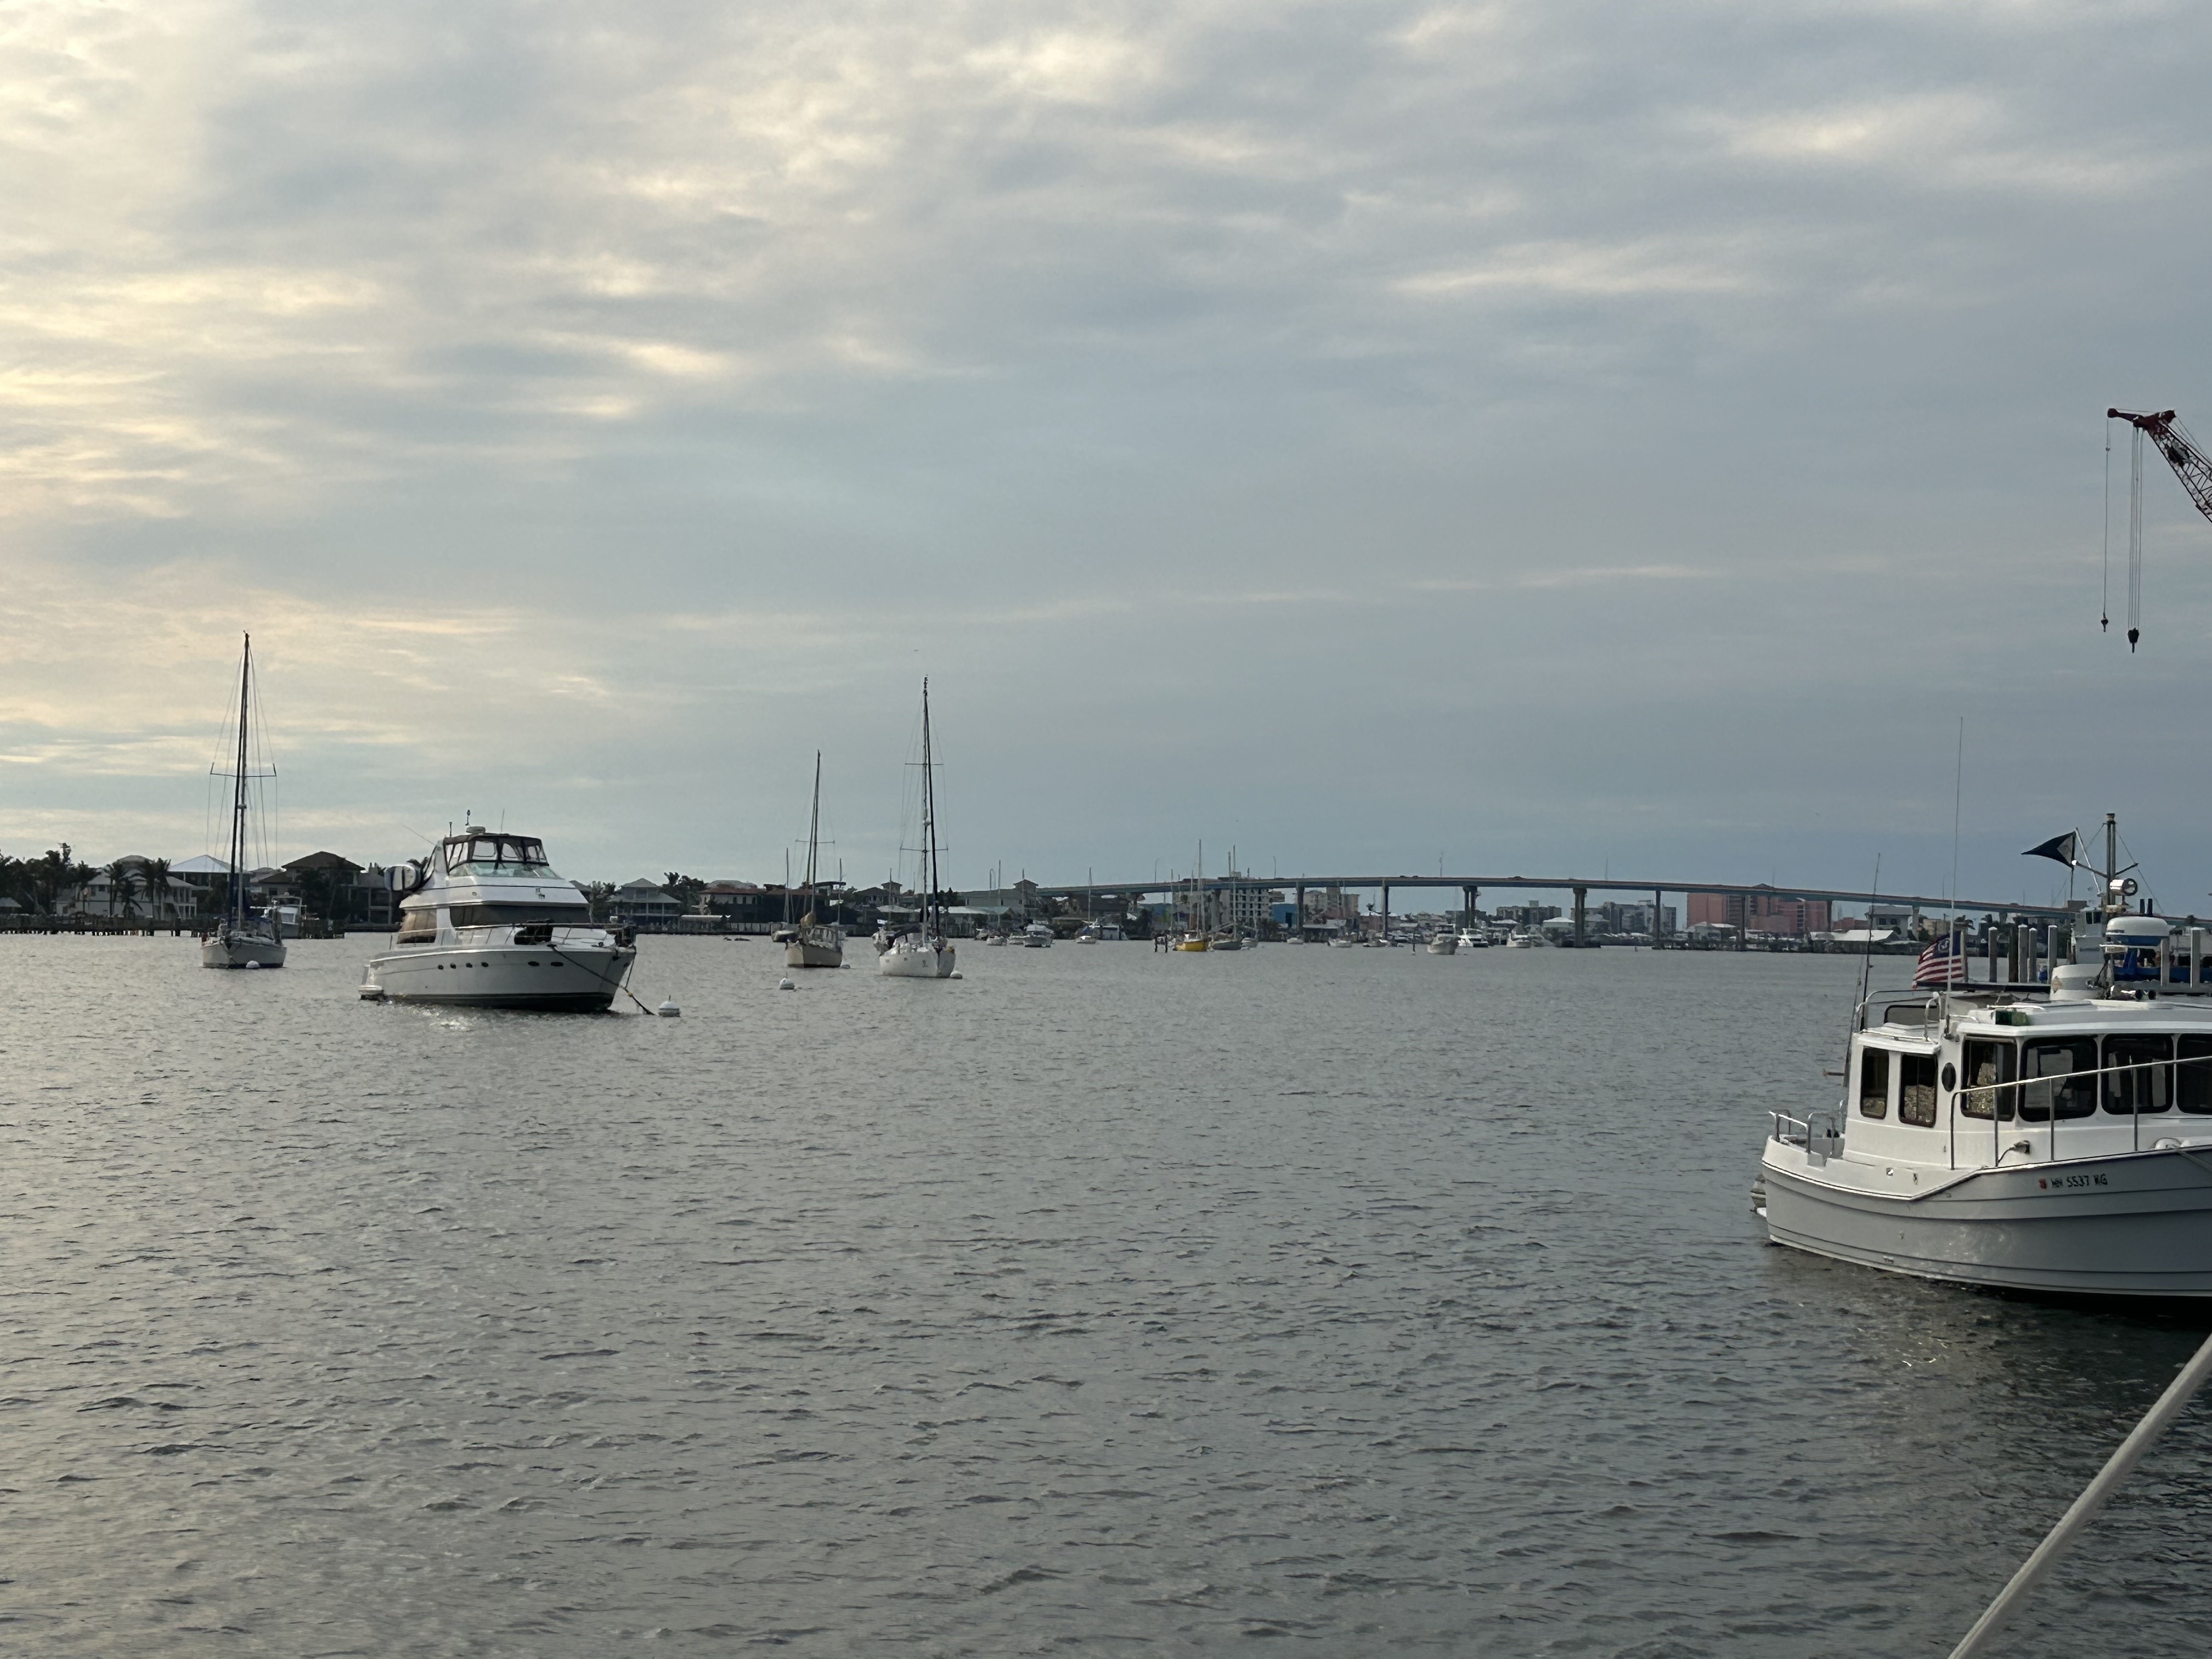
<point x="923" y="951"/>
<point x="819" y="944"/>
<point x="241" y="938"/>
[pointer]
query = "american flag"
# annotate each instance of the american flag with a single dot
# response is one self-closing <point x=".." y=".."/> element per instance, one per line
<point x="1943" y="962"/>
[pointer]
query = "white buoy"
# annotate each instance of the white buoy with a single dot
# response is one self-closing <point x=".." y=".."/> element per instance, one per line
<point x="253" y="964"/>
<point x="785" y="985"/>
<point x="955" y="974"/>
<point x="668" y="1010"/>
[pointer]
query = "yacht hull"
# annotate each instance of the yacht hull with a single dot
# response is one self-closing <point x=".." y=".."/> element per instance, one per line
<point x="241" y="951"/>
<point x="1443" y="947"/>
<point x="2136" y="1225"/>
<point x="574" y="979"/>
<point x="804" y="953"/>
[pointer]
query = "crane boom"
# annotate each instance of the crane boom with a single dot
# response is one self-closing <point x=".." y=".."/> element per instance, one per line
<point x="2189" y="462"/>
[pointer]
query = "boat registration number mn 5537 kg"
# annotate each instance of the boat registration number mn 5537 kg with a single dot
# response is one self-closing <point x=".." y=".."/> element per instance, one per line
<point x="2039" y="1136"/>
<point x="488" y="924"/>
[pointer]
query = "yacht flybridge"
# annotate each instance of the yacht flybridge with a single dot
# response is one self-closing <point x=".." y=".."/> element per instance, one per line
<point x="2046" y="1135"/>
<point x="488" y="924"/>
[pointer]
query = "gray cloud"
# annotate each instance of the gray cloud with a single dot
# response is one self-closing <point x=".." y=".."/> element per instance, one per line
<point x="1525" y="433"/>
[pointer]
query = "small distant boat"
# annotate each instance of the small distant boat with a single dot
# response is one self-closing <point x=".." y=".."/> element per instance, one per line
<point x="994" y="938"/>
<point x="1470" y="939"/>
<point x="1193" y="942"/>
<point x="923" y="951"/>
<point x="1524" y="938"/>
<point x="1443" y="944"/>
<point x="1037" y="936"/>
<point x="1341" y="943"/>
<point x="816" y="943"/>
<point x="243" y="939"/>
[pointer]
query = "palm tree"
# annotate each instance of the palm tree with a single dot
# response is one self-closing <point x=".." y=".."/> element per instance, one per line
<point x="156" y="874"/>
<point x="122" y="880"/>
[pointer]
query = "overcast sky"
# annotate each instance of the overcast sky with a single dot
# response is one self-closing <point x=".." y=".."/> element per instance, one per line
<point x="1533" y="437"/>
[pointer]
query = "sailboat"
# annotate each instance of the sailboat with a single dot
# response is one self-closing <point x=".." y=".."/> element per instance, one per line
<point x="241" y="938"/>
<point x="923" y="951"/>
<point x="818" y="944"/>
<point x="1195" y="937"/>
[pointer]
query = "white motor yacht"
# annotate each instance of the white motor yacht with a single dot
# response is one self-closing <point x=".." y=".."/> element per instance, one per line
<point x="923" y="951"/>
<point x="245" y="937"/>
<point x="1442" y="942"/>
<point x="1037" y="936"/>
<point x="488" y="924"/>
<point x="2045" y="1137"/>
<point x="1471" y="939"/>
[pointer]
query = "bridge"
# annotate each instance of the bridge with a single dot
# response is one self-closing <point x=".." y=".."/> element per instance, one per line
<point x="1581" y="886"/>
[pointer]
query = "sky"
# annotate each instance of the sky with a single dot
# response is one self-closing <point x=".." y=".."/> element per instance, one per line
<point x="1509" y="438"/>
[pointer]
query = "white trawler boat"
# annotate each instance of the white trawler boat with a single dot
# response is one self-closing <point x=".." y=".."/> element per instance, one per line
<point x="243" y="939"/>
<point x="816" y="944"/>
<point x="2052" y="1137"/>
<point x="1443" y="942"/>
<point x="488" y="924"/>
<point x="922" y="952"/>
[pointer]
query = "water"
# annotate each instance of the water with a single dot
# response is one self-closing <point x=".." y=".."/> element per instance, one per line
<point x="1102" y="1301"/>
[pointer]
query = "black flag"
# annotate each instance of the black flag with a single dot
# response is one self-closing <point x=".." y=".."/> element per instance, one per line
<point x="2062" y="848"/>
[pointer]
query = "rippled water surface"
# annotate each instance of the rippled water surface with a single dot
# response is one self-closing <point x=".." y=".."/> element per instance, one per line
<point x="1366" y="1300"/>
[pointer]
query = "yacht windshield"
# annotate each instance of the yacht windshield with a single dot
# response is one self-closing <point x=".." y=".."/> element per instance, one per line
<point x="507" y="855"/>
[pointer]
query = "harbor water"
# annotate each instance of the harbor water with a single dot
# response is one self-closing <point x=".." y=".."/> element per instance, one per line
<point x="1100" y="1301"/>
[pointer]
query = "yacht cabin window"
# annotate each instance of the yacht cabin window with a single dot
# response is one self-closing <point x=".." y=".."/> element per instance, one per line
<point x="2068" y="1089"/>
<point x="1874" y="1083"/>
<point x="2192" y="1082"/>
<point x="1915" y="1089"/>
<point x="417" y="926"/>
<point x="1990" y="1069"/>
<point x="2138" y="1078"/>
<point x="521" y="853"/>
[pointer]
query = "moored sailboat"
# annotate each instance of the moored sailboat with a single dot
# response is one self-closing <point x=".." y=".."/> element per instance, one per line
<point x="242" y="939"/>
<point x="817" y="943"/>
<point x="922" y="952"/>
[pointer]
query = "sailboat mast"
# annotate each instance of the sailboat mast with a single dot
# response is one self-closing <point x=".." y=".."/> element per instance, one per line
<point x="929" y="922"/>
<point x="813" y="834"/>
<point x="238" y="799"/>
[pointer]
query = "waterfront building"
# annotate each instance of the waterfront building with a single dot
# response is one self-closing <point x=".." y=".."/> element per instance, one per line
<point x="643" y="902"/>
<point x="1768" y="913"/>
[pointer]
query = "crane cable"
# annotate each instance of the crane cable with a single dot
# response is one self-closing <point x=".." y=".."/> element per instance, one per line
<point x="2105" y="604"/>
<point x="2135" y="541"/>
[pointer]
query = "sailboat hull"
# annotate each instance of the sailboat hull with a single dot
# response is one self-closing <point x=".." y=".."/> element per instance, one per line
<point x="811" y="953"/>
<point x="241" y="951"/>
<point x="916" y="958"/>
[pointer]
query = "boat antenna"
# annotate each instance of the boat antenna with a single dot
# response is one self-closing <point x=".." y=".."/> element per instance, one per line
<point x="1866" y="972"/>
<point x="1958" y="798"/>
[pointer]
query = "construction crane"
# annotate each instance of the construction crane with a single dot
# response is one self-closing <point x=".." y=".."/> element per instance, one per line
<point x="2190" y="465"/>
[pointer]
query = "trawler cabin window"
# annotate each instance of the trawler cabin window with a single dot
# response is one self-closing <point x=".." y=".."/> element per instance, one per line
<point x="1874" y="1083"/>
<point x="2192" y="1082"/>
<point x="1991" y="1068"/>
<point x="1915" y="1089"/>
<point x="2137" y="1076"/>
<point x="2068" y="1090"/>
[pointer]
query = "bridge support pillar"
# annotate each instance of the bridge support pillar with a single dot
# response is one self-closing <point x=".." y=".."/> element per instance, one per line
<point x="1386" y="912"/>
<point x="1581" y="936"/>
<point x="1658" y="914"/>
<point x="1300" y="914"/>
